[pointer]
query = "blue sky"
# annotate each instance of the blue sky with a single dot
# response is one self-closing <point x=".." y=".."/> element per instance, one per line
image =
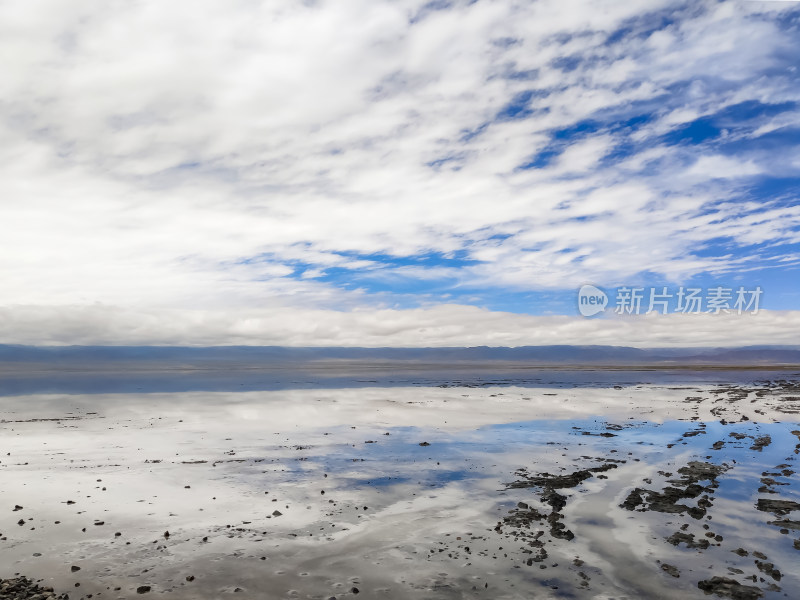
<point x="394" y="172"/>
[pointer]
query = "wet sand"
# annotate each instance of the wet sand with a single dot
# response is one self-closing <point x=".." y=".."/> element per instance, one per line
<point x="643" y="490"/>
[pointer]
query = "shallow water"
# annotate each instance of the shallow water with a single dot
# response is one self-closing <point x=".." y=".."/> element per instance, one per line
<point x="364" y="505"/>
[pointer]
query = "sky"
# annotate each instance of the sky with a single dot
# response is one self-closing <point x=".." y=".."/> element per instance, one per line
<point x="397" y="172"/>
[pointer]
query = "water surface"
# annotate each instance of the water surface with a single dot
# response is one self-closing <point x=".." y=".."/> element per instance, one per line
<point x="408" y="491"/>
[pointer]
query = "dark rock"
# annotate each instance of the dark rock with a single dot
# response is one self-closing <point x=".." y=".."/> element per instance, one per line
<point x="687" y="538"/>
<point x="633" y="500"/>
<point x="688" y="486"/>
<point x="22" y="588"/>
<point x="777" y="507"/>
<point x="554" y="499"/>
<point x="556" y="482"/>
<point x="786" y="524"/>
<point x="722" y="586"/>
<point x="769" y="569"/>
<point x="670" y="570"/>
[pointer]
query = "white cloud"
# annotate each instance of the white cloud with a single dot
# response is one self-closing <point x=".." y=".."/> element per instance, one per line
<point x="436" y="326"/>
<point x="211" y="156"/>
<point x="585" y="155"/>
<point x="713" y="167"/>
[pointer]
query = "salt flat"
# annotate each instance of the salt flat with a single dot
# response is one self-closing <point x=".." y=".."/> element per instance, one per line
<point x="643" y="490"/>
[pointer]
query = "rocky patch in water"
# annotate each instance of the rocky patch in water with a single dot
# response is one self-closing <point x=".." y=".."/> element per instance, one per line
<point x="730" y="588"/>
<point x="534" y="527"/>
<point x="548" y="485"/>
<point x="777" y="507"/>
<point x="770" y="479"/>
<point x="550" y="482"/>
<point x="692" y="495"/>
<point x="668" y="500"/>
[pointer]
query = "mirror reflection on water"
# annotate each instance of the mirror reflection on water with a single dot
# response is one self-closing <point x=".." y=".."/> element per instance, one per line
<point x="610" y="485"/>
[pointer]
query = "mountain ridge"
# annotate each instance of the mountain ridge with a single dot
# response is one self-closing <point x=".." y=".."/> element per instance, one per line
<point x="170" y="356"/>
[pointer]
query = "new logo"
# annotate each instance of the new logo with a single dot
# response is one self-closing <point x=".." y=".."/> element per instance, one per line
<point x="591" y="300"/>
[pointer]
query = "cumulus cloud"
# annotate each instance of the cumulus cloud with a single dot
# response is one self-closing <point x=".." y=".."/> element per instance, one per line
<point x="216" y="157"/>
<point x="437" y="326"/>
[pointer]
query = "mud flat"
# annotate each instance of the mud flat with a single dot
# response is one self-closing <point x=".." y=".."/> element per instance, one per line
<point x="643" y="490"/>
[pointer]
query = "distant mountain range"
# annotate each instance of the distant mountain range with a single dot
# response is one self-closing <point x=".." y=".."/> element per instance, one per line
<point x="13" y="357"/>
